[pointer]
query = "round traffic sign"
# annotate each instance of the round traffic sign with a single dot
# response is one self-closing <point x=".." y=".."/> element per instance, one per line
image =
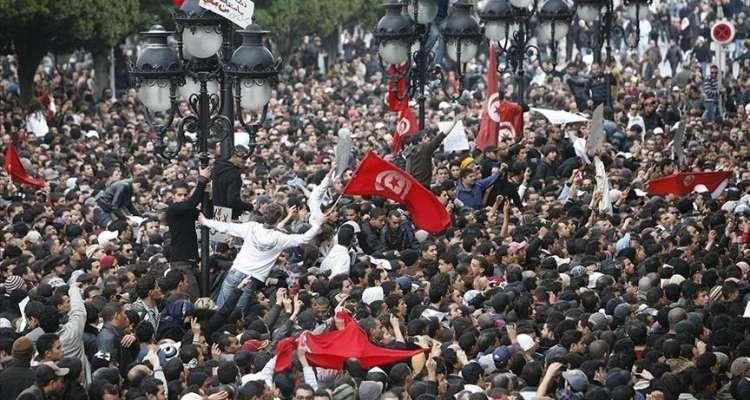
<point x="722" y="32"/>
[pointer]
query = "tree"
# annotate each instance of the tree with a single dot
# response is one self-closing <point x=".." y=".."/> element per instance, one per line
<point x="290" y="20"/>
<point x="34" y="27"/>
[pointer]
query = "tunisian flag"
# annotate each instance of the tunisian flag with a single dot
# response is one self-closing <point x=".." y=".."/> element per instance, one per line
<point x="396" y="97"/>
<point x="376" y="177"/>
<point x="16" y="170"/>
<point x="331" y="349"/>
<point x="499" y="116"/>
<point x="405" y="127"/>
<point x="487" y="135"/>
<point x="685" y="183"/>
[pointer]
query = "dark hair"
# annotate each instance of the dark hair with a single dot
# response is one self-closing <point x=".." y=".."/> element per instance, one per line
<point x="45" y="342"/>
<point x="110" y="310"/>
<point x="144" y="286"/>
<point x="150" y="385"/>
<point x="49" y="319"/>
<point x="346" y="235"/>
<point x="144" y="332"/>
<point x="273" y="213"/>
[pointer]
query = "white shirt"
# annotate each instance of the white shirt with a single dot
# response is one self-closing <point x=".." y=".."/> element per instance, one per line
<point x="261" y="246"/>
<point x="338" y="261"/>
<point x="37" y="124"/>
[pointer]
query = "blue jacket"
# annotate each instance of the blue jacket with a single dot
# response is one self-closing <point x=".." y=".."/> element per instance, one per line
<point x="472" y="197"/>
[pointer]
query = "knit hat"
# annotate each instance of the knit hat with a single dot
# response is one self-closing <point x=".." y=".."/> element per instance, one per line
<point x="370" y="390"/>
<point x="23" y="349"/>
<point x="13" y="282"/>
<point x="343" y="392"/>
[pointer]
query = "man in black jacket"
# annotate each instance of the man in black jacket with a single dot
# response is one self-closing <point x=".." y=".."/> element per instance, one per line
<point x="419" y="153"/>
<point x="116" y="202"/>
<point x="181" y="216"/>
<point x="18" y="376"/>
<point x="227" y="182"/>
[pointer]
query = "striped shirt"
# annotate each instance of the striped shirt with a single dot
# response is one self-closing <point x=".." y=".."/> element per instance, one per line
<point x="711" y="89"/>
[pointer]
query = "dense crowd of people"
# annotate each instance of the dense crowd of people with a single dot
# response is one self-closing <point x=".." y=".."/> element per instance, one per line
<point x="544" y="286"/>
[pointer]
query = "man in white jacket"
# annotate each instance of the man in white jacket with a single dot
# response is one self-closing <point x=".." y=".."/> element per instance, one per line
<point x="261" y="246"/>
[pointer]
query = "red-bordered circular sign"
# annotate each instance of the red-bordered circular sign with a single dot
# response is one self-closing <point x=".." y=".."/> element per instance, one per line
<point x="723" y="32"/>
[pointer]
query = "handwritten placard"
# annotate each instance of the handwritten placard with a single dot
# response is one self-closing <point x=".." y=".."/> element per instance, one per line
<point x="238" y="11"/>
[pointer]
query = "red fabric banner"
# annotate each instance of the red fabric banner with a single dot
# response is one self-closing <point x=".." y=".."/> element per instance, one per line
<point x="331" y="349"/>
<point x="488" y="126"/>
<point x="405" y="127"/>
<point x="499" y="116"/>
<point x="396" y="97"/>
<point x="376" y="177"/>
<point x="16" y="170"/>
<point x="685" y="183"/>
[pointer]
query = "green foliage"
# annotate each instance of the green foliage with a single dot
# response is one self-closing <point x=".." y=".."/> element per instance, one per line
<point x="290" y="20"/>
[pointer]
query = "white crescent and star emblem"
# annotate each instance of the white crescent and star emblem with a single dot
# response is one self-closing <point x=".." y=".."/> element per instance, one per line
<point x="403" y="126"/>
<point x="688" y="180"/>
<point x="393" y="181"/>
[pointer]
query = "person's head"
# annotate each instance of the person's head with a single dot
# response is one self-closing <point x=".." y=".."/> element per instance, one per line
<point x="114" y="314"/>
<point x="272" y="213"/>
<point x="321" y="394"/>
<point x="468" y="177"/>
<point x="22" y="349"/>
<point x="394" y="220"/>
<point x="49" y="348"/>
<point x="140" y="184"/>
<point x="181" y="192"/>
<point x="304" y="392"/>
<point x="346" y="236"/>
<point x="152" y="389"/>
<point x="377" y="218"/>
<point x="239" y="155"/>
<point x="714" y="71"/>
<point x="147" y="287"/>
<point x="51" y="379"/>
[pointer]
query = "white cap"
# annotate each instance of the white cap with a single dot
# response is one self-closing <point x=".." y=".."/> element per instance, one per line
<point x="372" y="294"/>
<point x="191" y="396"/>
<point x="593" y="278"/>
<point x="700" y="189"/>
<point x="470" y="295"/>
<point x="91" y="249"/>
<point x="658" y="131"/>
<point x="525" y="341"/>
<point x="421" y="235"/>
<point x="107" y="236"/>
<point x="33" y="237"/>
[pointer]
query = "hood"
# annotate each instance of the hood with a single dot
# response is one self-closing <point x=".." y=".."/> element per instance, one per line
<point x="222" y="166"/>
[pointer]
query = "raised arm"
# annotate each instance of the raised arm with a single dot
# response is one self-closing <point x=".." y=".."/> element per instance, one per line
<point x="237" y="230"/>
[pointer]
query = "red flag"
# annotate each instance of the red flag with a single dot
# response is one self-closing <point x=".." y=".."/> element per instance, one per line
<point x="178" y="3"/>
<point x="376" y="177"/>
<point x="405" y="127"/>
<point x="396" y="97"/>
<point x="331" y="349"/>
<point x="499" y="116"/>
<point x="16" y="170"/>
<point x="685" y="183"/>
<point x="511" y="118"/>
<point x="487" y="135"/>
